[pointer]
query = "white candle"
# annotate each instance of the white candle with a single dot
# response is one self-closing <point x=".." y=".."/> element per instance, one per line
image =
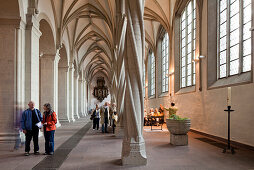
<point x="229" y="96"/>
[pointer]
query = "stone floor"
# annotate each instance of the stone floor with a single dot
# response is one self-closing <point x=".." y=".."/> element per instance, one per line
<point x="97" y="151"/>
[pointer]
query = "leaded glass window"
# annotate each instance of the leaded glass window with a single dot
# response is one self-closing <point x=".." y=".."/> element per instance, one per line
<point x="152" y="74"/>
<point x="165" y="50"/>
<point x="234" y="37"/>
<point x="187" y="52"/>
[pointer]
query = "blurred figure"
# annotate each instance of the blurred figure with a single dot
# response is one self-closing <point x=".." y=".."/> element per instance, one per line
<point x="171" y="110"/>
<point x="20" y="138"/>
<point x="114" y="117"/>
<point x="156" y="112"/>
<point x="161" y="109"/>
<point x="105" y="117"/>
<point x="29" y="124"/>
<point x="151" y="111"/>
<point x="96" y="117"/>
<point x="49" y="124"/>
<point x="111" y="113"/>
<point x="145" y="118"/>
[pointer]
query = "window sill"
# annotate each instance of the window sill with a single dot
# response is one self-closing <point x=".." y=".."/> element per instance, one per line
<point x="243" y="78"/>
<point x="164" y="94"/>
<point x="186" y="90"/>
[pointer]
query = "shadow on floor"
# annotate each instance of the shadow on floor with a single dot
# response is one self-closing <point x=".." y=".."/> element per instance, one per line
<point x="213" y="142"/>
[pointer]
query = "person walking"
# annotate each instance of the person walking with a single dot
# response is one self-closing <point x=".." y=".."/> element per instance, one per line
<point x="114" y="118"/>
<point x="105" y="118"/>
<point x="49" y="127"/>
<point x="96" y="117"/>
<point x="30" y="122"/>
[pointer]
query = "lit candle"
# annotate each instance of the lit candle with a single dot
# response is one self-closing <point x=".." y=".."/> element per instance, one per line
<point x="229" y="96"/>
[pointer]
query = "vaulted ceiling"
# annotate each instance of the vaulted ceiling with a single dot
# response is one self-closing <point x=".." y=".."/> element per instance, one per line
<point x="88" y="28"/>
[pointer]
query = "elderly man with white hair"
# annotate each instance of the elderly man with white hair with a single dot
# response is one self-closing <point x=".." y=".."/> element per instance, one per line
<point x="30" y="124"/>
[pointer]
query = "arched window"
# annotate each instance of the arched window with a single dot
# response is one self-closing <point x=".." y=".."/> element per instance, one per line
<point x="164" y="57"/>
<point x="152" y="73"/>
<point x="234" y="37"/>
<point x="187" y="45"/>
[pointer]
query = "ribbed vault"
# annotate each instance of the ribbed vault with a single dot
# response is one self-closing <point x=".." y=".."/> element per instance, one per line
<point x="88" y="28"/>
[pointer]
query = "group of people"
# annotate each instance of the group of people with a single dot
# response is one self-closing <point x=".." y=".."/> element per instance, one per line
<point x="32" y="121"/>
<point x="155" y="112"/>
<point x="155" y="115"/>
<point x="105" y="115"/>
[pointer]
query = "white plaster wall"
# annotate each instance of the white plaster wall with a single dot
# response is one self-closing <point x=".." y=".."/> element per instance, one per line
<point x="205" y="108"/>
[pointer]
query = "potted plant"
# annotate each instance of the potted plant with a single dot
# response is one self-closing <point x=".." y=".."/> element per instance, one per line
<point x="178" y="128"/>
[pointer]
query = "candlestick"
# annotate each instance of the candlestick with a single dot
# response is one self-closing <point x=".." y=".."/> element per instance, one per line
<point x="229" y="96"/>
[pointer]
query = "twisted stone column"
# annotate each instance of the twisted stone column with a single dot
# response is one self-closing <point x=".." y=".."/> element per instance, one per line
<point x="120" y="73"/>
<point x="133" y="150"/>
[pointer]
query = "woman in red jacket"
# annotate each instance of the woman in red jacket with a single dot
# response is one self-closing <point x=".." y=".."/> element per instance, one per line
<point x="49" y="125"/>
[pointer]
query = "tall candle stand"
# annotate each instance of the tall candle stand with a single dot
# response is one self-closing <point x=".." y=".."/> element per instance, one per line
<point x="229" y="147"/>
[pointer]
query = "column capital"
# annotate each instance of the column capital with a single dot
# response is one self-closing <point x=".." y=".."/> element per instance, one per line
<point x="81" y="79"/>
<point x="71" y="65"/>
<point x="57" y="57"/>
<point x="10" y="21"/>
<point x="33" y="24"/>
<point x="66" y="69"/>
<point x="47" y="56"/>
<point x="76" y="76"/>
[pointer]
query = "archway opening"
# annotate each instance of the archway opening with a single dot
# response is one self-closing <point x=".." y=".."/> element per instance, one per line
<point x="47" y="66"/>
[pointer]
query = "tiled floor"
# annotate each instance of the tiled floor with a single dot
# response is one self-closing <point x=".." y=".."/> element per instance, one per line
<point x="10" y="159"/>
<point x="97" y="151"/>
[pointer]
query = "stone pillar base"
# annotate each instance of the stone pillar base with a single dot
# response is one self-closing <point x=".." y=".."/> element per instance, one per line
<point x="76" y="117"/>
<point x="179" y="140"/>
<point x="133" y="153"/>
<point x="8" y="137"/>
<point x="119" y="131"/>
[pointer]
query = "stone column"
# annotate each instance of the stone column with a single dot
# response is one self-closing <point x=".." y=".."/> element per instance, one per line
<point x="71" y="93"/>
<point x="133" y="150"/>
<point x="120" y="72"/>
<point x="49" y="81"/>
<point x="76" y="99"/>
<point x="80" y="97"/>
<point x="85" y="109"/>
<point x="63" y="97"/>
<point x="12" y="32"/>
<point x="56" y="61"/>
<point x="32" y="60"/>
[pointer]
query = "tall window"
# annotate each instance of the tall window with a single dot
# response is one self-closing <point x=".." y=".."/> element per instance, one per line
<point x="164" y="50"/>
<point x="152" y="74"/>
<point x="234" y="37"/>
<point x="187" y="53"/>
<point x="144" y="80"/>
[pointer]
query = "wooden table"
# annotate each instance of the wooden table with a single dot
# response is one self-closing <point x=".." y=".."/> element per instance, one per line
<point x="156" y="120"/>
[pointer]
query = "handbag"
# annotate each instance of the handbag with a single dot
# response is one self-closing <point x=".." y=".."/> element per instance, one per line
<point x="92" y="117"/>
<point x="22" y="137"/>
